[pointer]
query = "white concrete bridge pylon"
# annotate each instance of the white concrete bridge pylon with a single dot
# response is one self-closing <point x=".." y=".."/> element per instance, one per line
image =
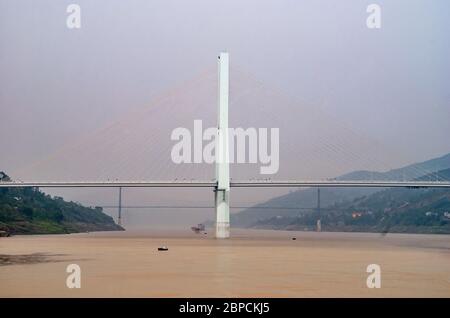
<point x="222" y="190"/>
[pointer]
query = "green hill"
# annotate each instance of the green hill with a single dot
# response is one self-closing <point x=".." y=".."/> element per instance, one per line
<point x="390" y="210"/>
<point x="307" y="198"/>
<point x="30" y="211"/>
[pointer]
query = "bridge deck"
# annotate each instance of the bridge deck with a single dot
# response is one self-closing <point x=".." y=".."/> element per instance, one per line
<point x="235" y="184"/>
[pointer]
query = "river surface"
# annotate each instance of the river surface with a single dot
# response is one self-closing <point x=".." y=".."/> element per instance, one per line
<point x="253" y="263"/>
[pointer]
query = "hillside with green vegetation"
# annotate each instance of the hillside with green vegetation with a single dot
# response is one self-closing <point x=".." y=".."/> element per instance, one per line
<point x="30" y="211"/>
<point x="305" y="200"/>
<point x="402" y="210"/>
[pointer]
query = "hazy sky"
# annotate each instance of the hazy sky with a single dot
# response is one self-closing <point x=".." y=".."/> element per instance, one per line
<point x="389" y="84"/>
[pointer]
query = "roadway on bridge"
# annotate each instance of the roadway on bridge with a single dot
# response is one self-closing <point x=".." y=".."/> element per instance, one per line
<point x="235" y="184"/>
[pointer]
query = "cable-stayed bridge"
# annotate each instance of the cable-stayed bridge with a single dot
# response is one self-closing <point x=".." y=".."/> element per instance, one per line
<point x="232" y="184"/>
<point x="222" y="183"/>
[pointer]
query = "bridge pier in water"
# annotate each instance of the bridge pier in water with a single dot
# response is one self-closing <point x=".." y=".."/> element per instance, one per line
<point x="222" y="190"/>
<point x="119" y="218"/>
<point x="319" y="216"/>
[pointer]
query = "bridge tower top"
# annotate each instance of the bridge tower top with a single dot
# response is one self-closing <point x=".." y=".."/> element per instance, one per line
<point x="222" y="162"/>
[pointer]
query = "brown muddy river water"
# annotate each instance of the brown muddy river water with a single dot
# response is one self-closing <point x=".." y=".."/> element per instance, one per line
<point x="253" y="263"/>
